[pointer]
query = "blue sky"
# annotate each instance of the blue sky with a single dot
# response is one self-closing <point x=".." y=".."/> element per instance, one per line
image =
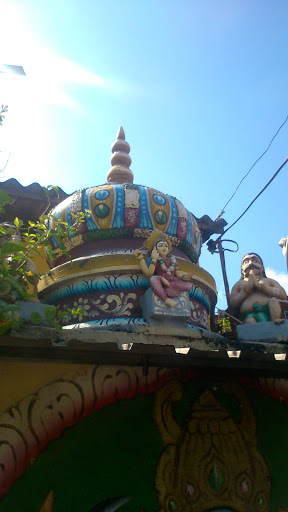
<point x="200" y="88"/>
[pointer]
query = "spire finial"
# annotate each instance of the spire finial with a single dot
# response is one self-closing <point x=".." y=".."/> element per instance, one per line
<point x="120" y="160"/>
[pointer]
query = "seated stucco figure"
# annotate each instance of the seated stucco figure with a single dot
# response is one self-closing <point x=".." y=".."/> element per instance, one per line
<point x="166" y="279"/>
<point x="255" y="296"/>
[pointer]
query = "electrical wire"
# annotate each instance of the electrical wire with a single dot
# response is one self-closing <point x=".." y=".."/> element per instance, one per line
<point x="3" y="169"/>
<point x="259" y="194"/>
<point x="228" y="314"/>
<point x="267" y="149"/>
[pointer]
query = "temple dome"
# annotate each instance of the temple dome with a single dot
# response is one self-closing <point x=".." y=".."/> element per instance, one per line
<point x="103" y="277"/>
<point x="120" y="209"/>
<point x="126" y="211"/>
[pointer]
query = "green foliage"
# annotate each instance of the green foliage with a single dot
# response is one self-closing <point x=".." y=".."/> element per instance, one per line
<point x="224" y="325"/>
<point x="48" y="189"/>
<point x="35" y="318"/>
<point x="54" y="316"/>
<point x="49" y="313"/>
<point x="4" y="199"/>
<point x="9" y="318"/>
<point x="19" y="244"/>
<point x="103" y="234"/>
<point x="3" y="109"/>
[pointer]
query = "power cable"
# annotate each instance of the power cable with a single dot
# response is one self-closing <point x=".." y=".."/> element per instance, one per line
<point x="259" y="194"/>
<point x="267" y="149"/>
<point x="3" y="169"/>
<point x="228" y="314"/>
<point x="213" y="244"/>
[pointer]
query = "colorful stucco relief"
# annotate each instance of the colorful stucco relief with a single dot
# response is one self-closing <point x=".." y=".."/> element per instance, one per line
<point x="169" y="440"/>
<point x="211" y="460"/>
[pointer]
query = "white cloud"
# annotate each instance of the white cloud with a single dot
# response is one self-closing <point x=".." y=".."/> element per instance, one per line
<point x="45" y="70"/>
<point x="46" y="75"/>
<point x="280" y="277"/>
<point x="25" y="132"/>
<point x="221" y="299"/>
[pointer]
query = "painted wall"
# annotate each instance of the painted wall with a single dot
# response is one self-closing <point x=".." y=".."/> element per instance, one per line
<point x="171" y="440"/>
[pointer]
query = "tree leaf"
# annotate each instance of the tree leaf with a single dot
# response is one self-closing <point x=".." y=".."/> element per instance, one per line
<point x="4" y="198"/>
<point x="11" y="247"/>
<point x="35" y="318"/>
<point x="17" y="222"/>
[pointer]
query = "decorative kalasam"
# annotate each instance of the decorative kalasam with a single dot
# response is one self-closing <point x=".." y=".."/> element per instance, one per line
<point x="256" y="297"/>
<point x="212" y="461"/>
<point x="102" y="271"/>
<point x="166" y="279"/>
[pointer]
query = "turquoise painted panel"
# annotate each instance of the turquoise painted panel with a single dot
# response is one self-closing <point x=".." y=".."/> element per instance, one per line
<point x="86" y="206"/>
<point x="189" y="235"/>
<point x="172" y="227"/>
<point x="145" y="219"/>
<point x="118" y="220"/>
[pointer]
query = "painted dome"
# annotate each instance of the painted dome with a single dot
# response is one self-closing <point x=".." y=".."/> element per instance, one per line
<point x="123" y="210"/>
<point x="103" y="278"/>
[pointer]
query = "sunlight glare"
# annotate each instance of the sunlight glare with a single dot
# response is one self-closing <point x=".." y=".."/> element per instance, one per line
<point x="24" y="132"/>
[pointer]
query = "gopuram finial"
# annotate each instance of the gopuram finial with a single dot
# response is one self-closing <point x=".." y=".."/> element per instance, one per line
<point x="120" y="160"/>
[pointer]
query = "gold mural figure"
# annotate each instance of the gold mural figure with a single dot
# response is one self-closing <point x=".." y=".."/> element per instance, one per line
<point x="212" y="461"/>
<point x="47" y="506"/>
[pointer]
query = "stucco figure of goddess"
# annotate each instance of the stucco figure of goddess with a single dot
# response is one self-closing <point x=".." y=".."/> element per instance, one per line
<point x="166" y="279"/>
<point x="255" y="295"/>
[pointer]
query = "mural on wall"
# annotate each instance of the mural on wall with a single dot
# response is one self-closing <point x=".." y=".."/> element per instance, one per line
<point x="109" y="505"/>
<point x="210" y="461"/>
<point x="173" y="441"/>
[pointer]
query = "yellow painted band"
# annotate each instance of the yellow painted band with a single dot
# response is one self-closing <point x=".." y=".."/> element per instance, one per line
<point x="113" y="262"/>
